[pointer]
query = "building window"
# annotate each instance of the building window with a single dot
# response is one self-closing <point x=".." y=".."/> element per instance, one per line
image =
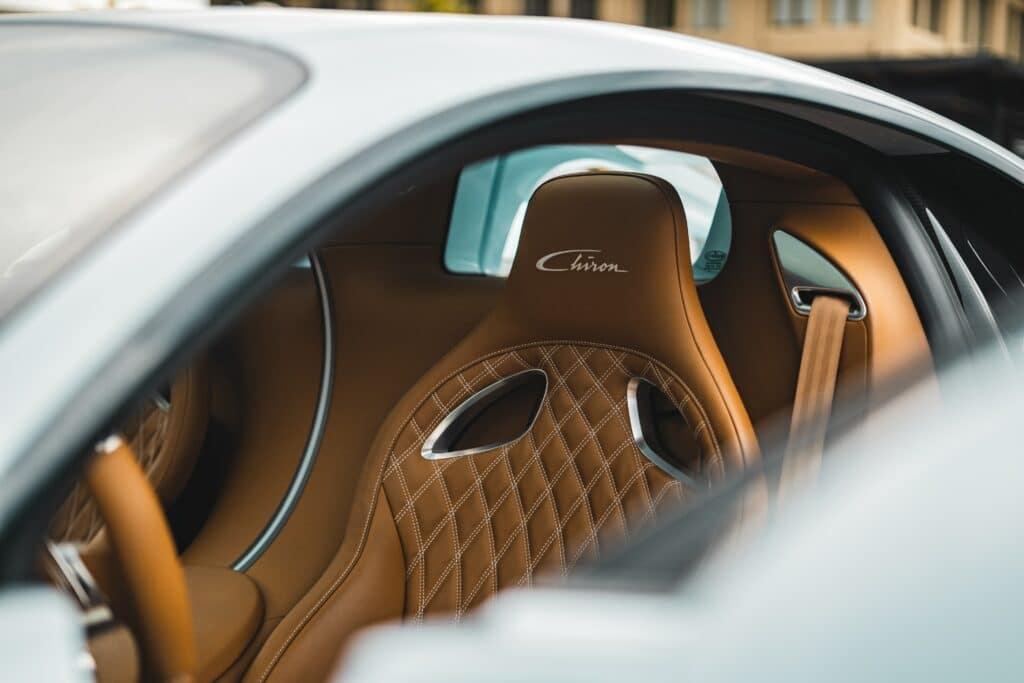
<point x="537" y="8"/>
<point x="660" y="13"/>
<point x="976" y="21"/>
<point x="1015" y="35"/>
<point x="928" y="14"/>
<point x="583" y="9"/>
<point x="347" y="4"/>
<point x="792" y="12"/>
<point x="850" y="11"/>
<point x="709" y="13"/>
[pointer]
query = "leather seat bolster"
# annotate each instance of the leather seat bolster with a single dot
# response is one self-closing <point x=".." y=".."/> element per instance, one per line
<point x="365" y="584"/>
<point x="227" y="610"/>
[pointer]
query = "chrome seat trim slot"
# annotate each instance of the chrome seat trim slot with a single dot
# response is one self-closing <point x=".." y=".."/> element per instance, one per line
<point x="806" y="273"/>
<point x="430" y="453"/>
<point x="636" y="425"/>
<point x="316" y="432"/>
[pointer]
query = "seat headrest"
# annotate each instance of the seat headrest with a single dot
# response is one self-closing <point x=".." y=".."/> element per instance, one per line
<point x="603" y="256"/>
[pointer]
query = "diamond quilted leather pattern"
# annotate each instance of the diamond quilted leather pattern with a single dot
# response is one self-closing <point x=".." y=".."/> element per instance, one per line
<point x="571" y="488"/>
<point x="77" y="520"/>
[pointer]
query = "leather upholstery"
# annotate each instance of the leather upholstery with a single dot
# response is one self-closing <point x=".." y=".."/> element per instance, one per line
<point x="158" y="610"/>
<point x="576" y="483"/>
<point x="166" y="443"/>
<point x="431" y="537"/>
<point x="749" y="294"/>
<point x="227" y="610"/>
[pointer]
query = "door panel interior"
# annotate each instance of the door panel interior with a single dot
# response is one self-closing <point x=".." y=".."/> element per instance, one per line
<point x="268" y="369"/>
<point x="760" y="332"/>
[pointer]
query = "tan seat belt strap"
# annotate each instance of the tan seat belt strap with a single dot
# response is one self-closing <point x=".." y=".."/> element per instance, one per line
<point x="815" y="388"/>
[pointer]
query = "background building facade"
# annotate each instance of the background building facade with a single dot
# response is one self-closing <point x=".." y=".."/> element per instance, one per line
<point x="962" y="58"/>
<point x="800" y="29"/>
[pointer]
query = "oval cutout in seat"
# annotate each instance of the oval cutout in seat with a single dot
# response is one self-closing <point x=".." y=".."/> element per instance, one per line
<point x="495" y="416"/>
<point x="662" y="434"/>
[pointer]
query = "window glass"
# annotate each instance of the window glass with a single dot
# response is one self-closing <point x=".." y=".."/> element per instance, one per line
<point x="935" y="10"/>
<point x="660" y="13"/>
<point x="927" y="14"/>
<point x="96" y="118"/>
<point x="850" y="11"/>
<point x="583" y="9"/>
<point x="975" y="22"/>
<point x="792" y="12"/>
<point x="1015" y="35"/>
<point x="709" y="14"/>
<point x="491" y="199"/>
<point x="537" y="8"/>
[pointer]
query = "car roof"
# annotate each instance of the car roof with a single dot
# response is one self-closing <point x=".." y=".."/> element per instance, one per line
<point x="473" y="56"/>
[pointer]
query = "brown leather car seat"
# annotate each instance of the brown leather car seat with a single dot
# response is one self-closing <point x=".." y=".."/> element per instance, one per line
<point x="600" y="300"/>
<point x="166" y="434"/>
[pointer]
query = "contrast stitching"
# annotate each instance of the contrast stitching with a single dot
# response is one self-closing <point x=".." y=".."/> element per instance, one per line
<point x="361" y="544"/>
<point x="514" y="484"/>
<point x="563" y="382"/>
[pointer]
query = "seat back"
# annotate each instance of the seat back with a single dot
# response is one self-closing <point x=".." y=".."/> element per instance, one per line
<point x="589" y="402"/>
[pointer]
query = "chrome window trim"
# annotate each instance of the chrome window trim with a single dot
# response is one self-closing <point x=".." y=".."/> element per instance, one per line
<point x="312" y="448"/>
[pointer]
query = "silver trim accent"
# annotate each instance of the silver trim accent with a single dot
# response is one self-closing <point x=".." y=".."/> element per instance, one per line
<point x="160" y="401"/>
<point x="316" y="432"/>
<point x="636" y="426"/>
<point x="109" y="444"/>
<point x="72" y="576"/>
<point x="806" y="272"/>
<point x="428" y="451"/>
<point x="803" y="296"/>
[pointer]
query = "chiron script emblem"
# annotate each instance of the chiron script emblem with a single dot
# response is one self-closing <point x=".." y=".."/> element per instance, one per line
<point x="577" y="261"/>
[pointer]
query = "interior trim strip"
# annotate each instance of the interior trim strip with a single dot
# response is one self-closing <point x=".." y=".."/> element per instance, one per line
<point x="428" y="451"/>
<point x="975" y="306"/>
<point x="316" y="432"/>
<point x="807" y="273"/>
<point x="636" y="426"/>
